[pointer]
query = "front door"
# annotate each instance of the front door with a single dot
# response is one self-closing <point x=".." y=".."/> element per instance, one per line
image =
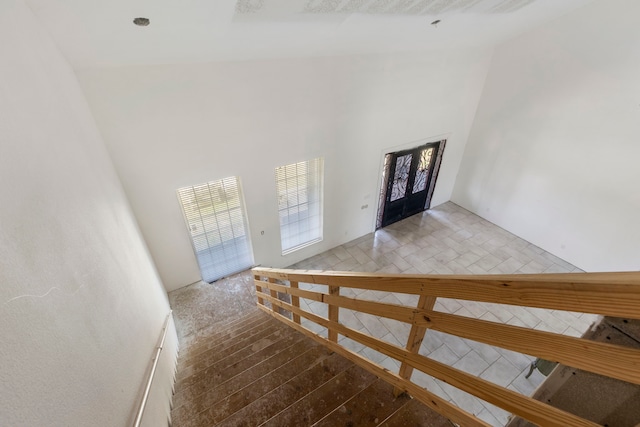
<point x="408" y="187"/>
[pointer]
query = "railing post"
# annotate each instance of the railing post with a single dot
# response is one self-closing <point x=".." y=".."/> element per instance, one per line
<point x="295" y="301"/>
<point x="333" y="313"/>
<point x="416" y="335"/>
<point x="274" y="294"/>
<point x="257" y="279"/>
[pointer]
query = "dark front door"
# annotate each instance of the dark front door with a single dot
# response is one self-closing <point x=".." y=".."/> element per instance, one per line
<point x="409" y="174"/>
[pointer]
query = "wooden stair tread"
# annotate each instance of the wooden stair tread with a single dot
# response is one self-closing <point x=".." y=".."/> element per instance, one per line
<point x="415" y="414"/>
<point x="201" y="336"/>
<point x="324" y="399"/>
<point x="271" y="341"/>
<point x="230" y="367"/>
<point x="227" y="337"/>
<point x="261" y="410"/>
<point x="227" y="349"/>
<point x="367" y="409"/>
<point x="254" y="382"/>
<point x="220" y="333"/>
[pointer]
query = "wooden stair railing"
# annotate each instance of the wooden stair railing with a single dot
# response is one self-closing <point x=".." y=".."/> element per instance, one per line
<point x="611" y="294"/>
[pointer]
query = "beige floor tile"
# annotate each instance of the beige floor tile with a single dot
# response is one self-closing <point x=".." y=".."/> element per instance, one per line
<point x="445" y="355"/>
<point x="456" y="344"/>
<point x="430" y="343"/>
<point x="429" y="383"/>
<point x="373" y="355"/>
<point x="408" y="299"/>
<point x="468" y="258"/>
<point x="391" y="364"/>
<point x="519" y="360"/>
<point x="407" y="250"/>
<point x="340" y="252"/>
<point x="372" y="324"/>
<point x="450" y="305"/>
<point x="457" y="268"/>
<point x="348" y="318"/>
<point x="472" y="363"/>
<point x="500" y="311"/>
<point x="527" y="386"/>
<point x="500" y="415"/>
<point x="391" y="339"/>
<point x="350" y="344"/>
<point x="464" y="400"/>
<point x="358" y="254"/>
<point x="509" y="266"/>
<point x="501" y="372"/>
<point x="489" y="353"/>
<point x="487" y="262"/>
<point x="398" y="261"/>
<point x="399" y="330"/>
<point x="488" y="417"/>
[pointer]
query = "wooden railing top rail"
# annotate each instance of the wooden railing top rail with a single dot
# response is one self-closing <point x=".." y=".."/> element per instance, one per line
<point x="611" y="294"/>
<point x="572" y="292"/>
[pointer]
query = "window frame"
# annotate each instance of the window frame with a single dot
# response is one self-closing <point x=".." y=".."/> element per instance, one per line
<point x="307" y="187"/>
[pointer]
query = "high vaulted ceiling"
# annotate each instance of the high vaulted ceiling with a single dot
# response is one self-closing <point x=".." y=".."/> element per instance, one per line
<point x="95" y="33"/>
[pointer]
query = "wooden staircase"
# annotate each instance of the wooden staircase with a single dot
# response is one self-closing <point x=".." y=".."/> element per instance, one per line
<point x="257" y="371"/>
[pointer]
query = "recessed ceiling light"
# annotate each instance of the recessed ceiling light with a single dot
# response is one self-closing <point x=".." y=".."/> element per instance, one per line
<point x="141" y="22"/>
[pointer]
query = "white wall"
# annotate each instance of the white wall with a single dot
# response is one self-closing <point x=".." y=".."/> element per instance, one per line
<point x="553" y="153"/>
<point x="81" y="305"/>
<point x="171" y="126"/>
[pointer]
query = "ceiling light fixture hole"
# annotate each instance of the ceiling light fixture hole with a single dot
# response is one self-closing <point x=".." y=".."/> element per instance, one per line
<point x="141" y="22"/>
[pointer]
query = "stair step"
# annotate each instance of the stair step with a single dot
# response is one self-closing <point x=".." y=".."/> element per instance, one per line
<point x="277" y="370"/>
<point x="227" y="348"/>
<point x="367" y="409"/>
<point x="220" y="404"/>
<point x="202" y="341"/>
<point x="232" y="366"/>
<point x="415" y="414"/>
<point x="324" y="399"/>
<point x="261" y="410"/>
<point x="309" y="351"/>
<point x="264" y="367"/>
<point x="207" y="338"/>
<point x="221" y="325"/>
<point x="229" y="359"/>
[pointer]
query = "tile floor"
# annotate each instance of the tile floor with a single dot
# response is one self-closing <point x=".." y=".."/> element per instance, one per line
<point x="449" y="240"/>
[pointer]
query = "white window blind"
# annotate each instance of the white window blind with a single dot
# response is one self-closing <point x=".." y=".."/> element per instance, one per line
<point x="299" y="187"/>
<point x="217" y="223"/>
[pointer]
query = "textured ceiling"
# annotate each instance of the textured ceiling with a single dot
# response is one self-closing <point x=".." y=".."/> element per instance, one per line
<point x="97" y="33"/>
<point x="267" y="10"/>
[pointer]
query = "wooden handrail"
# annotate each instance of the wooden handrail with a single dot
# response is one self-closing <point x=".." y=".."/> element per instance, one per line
<point x="610" y="294"/>
<point x="154" y="364"/>
<point x="615" y="294"/>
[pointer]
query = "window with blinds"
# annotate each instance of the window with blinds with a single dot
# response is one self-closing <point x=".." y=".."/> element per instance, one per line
<point x="217" y="223"/>
<point x="299" y="188"/>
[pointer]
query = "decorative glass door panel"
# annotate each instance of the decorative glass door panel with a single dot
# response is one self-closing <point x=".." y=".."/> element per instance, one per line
<point x="401" y="177"/>
<point x="420" y="183"/>
<point x="408" y="182"/>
